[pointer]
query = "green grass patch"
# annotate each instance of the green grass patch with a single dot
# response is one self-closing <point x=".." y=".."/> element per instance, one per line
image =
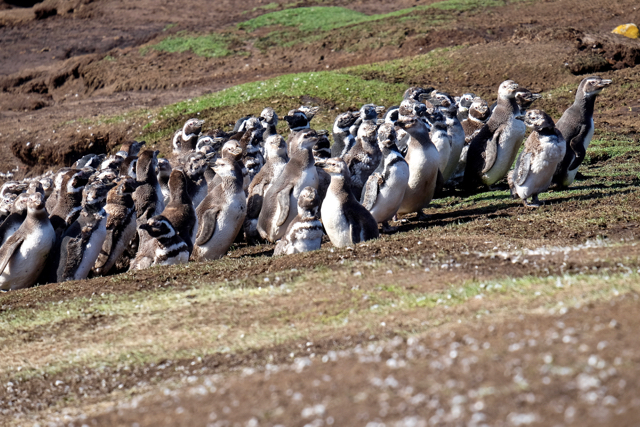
<point x="210" y="46"/>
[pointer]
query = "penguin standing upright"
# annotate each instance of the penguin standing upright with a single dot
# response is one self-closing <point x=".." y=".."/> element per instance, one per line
<point x="543" y="151"/>
<point x="304" y="233"/>
<point x="185" y="139"/>
<point x="278" y="205"/>
<point x="343" y="140"/>
<point x="449" y="110"/>
<point x="346" y="221"/>
<point x="148" y="196"/>
<point x="269" y="119"/>
<point x="179" y="211"/>
<point x="24" y="254"/>
<point x="364" y="157"/>
<point x="577" y="128"/>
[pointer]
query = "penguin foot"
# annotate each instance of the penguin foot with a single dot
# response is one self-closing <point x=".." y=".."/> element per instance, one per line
<point x="421" y="216"/>
<point x="535" y="203"/>
<point x="388" y="229"/>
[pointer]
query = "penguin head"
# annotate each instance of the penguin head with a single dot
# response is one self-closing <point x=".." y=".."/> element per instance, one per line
<point x="47" y="185"/>
<point x="297" y="120"/>
<point x="409" y="122"/>
<point x="94" y="194"/>
<point x="443" y="100"/>
<point x="203" y="141"/>
<point x="368" y="132"/>
<point x="591" y="86"/>
<point x="436" y="118"/>
<point x="35" y="187"/>
<point x="111" y="162"/>
<point x="309" y="112"/>
<point x="308" y="200"/>
<point x="123" y="190"/>
<point x="35" y="203"/>
<point x="335" y="166"/>
<point x="524" y="98"/>
<point x="224" y="168"/>
<point x="268" y="117"/>
<point x="106" y="177"/>
<point x="305" y="139"/>
<point x="479" y="109"/>
<point x="164" y="168"/>
<point x="538" y="120"/>
<point x="275" y="146"/>
<point x="345" y="120"/>
<point x="177" y="182"/>
<point x="370" y="111"/>
<point x="159" y="227"/>
<point x="6" y="203"/>
<point x="387" y="137"/>
<point x="195" y="164"/>
<point x="508" y="89"/>
<point x="410" y="107"/>
<point x="77" y="179"/>
<point x="392" y="115"/>
<point x="132" y="148"/>
<point x="232" y="150"/>
<point x="192" y="127"/>
<point x="465" y="101"/>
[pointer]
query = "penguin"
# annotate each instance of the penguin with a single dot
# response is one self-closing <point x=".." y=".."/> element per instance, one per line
<point x="278" y="202"/>
<point x="209" y="144"/>
<point x="577" y="128"/>
<point x="162" y="175"/>
<point x="524" y="99"/>
<point x="195" y="166"/>
<point x="89" y="161"/>
<point x="478" y="115"/>
<point x="239" y="126"/>
<point x="83" y="240"/>
<point x="299" y="120"/>
<point x="251" y="142"/>
<point x="447" y="106"/>
<point x="52" y="200"/>
<point x="345" y="220"/>
<point x="423" y="160"/>
<point x="494" y="148"/>
<point x="163" y="246"/>
<point x="343" y="140"/>
<point x="441" y="139"/>
<point x="112" y="162"/>
<point x="148" y="196"/>
<point x="131" y="148"/>
<point x="47" y="185"/>
<point x="269" y="119"/>
<point x="543" y="151"/>
<point x="13" y="187"/>
<point x="385" y="188"/>
<point x="409" y="107"/>
<point x="233" y="151"/>
<point x="121" y="225"/>
<point x="221" y="214"/>
<point x="128" y="166"/>
<point x="322" y="151"/>
<point x="304" y="233"/>
<point x="364" y="157"/>
<point x="368" y="114"/>
<point x="69" y="201"/>
<point x="464" y="103"/>
<point x="15" y="219"/>
<point x="24" y="254"/>
<point x="185" y="139"/>
<point x="179" y="211"/>
<point x="418" y="94"/>
<point x="276" y="152"/>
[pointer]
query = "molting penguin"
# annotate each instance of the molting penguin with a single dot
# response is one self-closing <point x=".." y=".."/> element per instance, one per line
<point x="83" y="240"/>
<point x="440" y="138"/>
<point x="269" y="120"/>
<point x="298" y="120"/>
<point x="276" y="153"/>
<point x="478" y="115"/>
<point x="251" y="143"/>
<point x="368" y="115"/>
<point x="163" y="247"/>
<point x="364" y="157"/>
<point x="409" y="107"/>
<point x="449" y="109"/>
<point x="179" y="211"/>
<point x="195" y="167"/>
<point x="576" y="126"/>
<point x="89" y="161"/>
<point x="185" y="140"/>
<point x="423" y="160"/>
<point x="121" y="225"/>
<point x="148" y="196"/>
<point x="221" y="214"/>
<point x="279" y="201"/>
<point x="24" y="254"/>
<point x="464" y="102"/>
<point x="304" y="233"/>
<point x="543" y="151"/>
<point x="343" y="140"/>
<point x="385" y="188"/>
<point x="346" y="221"/>
<point x="69" y="200"/>
<point x="493" y="149"/>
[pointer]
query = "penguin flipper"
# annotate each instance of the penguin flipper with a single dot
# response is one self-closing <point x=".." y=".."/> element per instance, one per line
<point x="254" y="202"/>
<point x="577" y="145"/>
<point x="370" y="191"/>
<point x="491" y="150"/>
<point x="7" y="250"/>
<point x="284" y="202"/>
<point x="74" y="248"/>
<point x="207" y="226"/>
<point x="521" y="171"/>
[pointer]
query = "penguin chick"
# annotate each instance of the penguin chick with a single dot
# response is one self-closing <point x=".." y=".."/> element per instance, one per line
<point x="121" y="225"/>
<point x="364" y="157"/>
<point x="304" y="233"/>
<point x="83" y="240"/>
<point x="577" y="128"/>
<point x="385" y="188"/>
<point x="185" y="139"/>
<point x="251" y="143"/>
<point x="543" y="151"/>
<point x="195" y="166"/>
<point x="179" y="211"/>
<point x="524" y="98"/>
<point x="478" y="115"/>
<point x="346" y="221"/>
<point x="300" y="172"/>
<point x="276" y="152"/>
<point x="69" y="201"/>
<point x="221" y="214"/>
<point x="343" y="140"/>
<point x="162" y="247"/>
<point x="494" y="148"/>
<point x="24" y="254"/>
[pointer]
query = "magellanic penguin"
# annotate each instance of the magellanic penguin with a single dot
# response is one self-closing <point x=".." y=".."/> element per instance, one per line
<point x="346" y="221"/>
<point x="162" y="175"/>
<point x="269" y="119"/>
<point x="221" y="214"/>
<point x="121" y="225"/>
<point x="493" y="149"/>
<point x="299" y="120"/>
<point x="132" y="148"/>
<point x="478" y="115"/>
<point x="83" y="240"/>
<point x="195" y="166"/>
<point x="6" y="205"/>
<point x="24" y="254"/>
<point x="304" y="233"/>
<point x="12" y="223"/>
<point x="441" y="139"/>
<point x="343" y="140"/>
<point x="543" y="151"/>
<point x="231" y="150"/>
<point x="423" y="160"/>
<point x="185" y="139"/>
<point x="576" y="126"/>
<point x="276" y="153"/>
<point x="409" y="107"/>
<point x="464" y="102"/>
<point x="368" y="114"/>
<point x="449" y="109"/>
<point x="364" y="157"/>
<point x="251" y="143"/>
<point x="89" y="161"/>
<point x="179" y="211"/>
<point x="148" y="196"/>
<point x="69" y="201"/>
<point x="385" y="188"/>
<point x="278" y="205"/>
<point x="162" y="247"/>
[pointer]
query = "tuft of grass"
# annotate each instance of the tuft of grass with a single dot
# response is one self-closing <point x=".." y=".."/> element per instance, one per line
<point x="307" y="18"/>
<point x="210" y="46"/>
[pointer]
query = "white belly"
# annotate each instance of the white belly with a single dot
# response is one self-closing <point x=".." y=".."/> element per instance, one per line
<point x="27" y="263"/>
<point x="508" y="146"/>
<point x="228" y="224"/>
<point x="305" y="240"/>
<point x="334" y="221"/>
<point x="423" y="172"/>
<point x="391" y="193"/>
<point x="442" y="141"/>
<point x="309" y="178"/>
<point x="542" y="169"/>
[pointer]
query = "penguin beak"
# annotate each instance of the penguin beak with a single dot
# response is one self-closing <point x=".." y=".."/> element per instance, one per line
<point x="605" y="83"/>
<point x="520" y="117"/>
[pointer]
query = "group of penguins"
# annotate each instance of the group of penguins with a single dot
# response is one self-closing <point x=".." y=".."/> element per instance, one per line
<point x="133" y="210"/>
